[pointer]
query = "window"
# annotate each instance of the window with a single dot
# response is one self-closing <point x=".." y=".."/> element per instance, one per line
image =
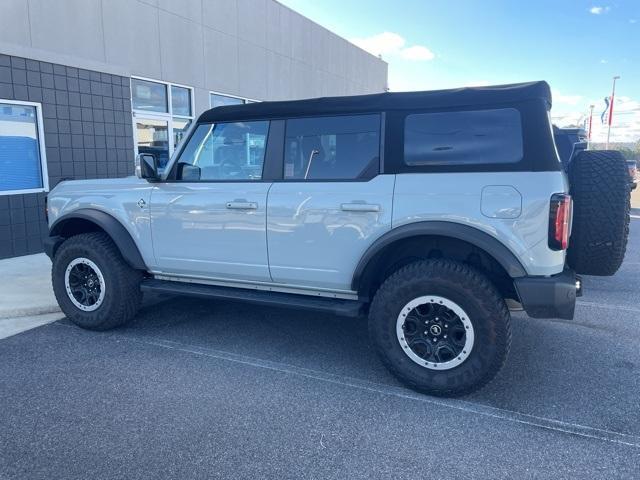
<point x="23" y="165"/>
<point x="463" y="138"/>
<point x="332" y="148"/>
<point x="220" y="100"/>
<point x="224" y="151"/>
<point x="162" y="114"/>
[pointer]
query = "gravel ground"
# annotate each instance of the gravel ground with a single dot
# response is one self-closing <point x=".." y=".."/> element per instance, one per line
<point x="198" y="389"/>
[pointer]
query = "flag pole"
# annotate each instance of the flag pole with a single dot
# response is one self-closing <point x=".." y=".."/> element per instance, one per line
<point x="590" y="126"/>
<point x="613" y="94"/>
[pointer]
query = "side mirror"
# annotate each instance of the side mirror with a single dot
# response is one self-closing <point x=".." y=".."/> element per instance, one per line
<point x="147" y="167"/>
<point x="188" y="172"/>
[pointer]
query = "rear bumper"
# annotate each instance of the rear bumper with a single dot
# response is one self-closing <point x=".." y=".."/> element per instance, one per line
<point x="51" y="244"/>
<point x="550" y="297"/>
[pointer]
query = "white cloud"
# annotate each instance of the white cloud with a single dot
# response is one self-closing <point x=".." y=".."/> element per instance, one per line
<point x="417" y="53"/>
<point x="598" y="10"/>
<point x="603" y="61"/>
<point x="565" y="99"/>
<point x="633" y="20"/>
<point x="393" y="44"/>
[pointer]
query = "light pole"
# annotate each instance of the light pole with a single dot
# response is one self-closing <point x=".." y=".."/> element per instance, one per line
<point x="613" y="95"/>
<point x="590" y="125"/>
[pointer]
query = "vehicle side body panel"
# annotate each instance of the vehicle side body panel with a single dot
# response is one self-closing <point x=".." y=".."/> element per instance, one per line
<point x="124" y="199"/>
<point x="318" y="231"/>
<point x="212" y="229"/>
<point x="458" y="198"/>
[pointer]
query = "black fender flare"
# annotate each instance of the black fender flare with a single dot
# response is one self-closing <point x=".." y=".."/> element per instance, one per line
<point x="112" y="227"/>
<point x="471" y="235"/>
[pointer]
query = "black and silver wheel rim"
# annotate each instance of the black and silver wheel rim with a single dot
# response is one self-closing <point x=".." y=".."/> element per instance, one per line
<point x="435" y="332"/>
<point x="84" y="284"/>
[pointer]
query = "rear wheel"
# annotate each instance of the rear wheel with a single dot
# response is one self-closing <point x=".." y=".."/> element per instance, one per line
<point x="600" y="188"/>
<point x="441" y="327"/>
<point x="94" y="286"/>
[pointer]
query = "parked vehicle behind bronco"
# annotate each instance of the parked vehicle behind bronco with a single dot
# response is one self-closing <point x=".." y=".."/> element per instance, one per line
<point x="431" y="212"/>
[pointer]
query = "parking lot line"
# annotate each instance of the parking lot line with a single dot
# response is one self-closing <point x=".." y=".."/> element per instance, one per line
<point x="607" y="306"/>
<point x="399" y="392"/>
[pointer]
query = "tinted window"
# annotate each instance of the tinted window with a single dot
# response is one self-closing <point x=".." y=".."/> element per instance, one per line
<point x="180" y="101"/>
<point x="462" y="138"/>
<point x="224" y="151"/>
<point x="149" y="96"/>
<point x="336" y="148"/>
<point x="218" y="100"/>
<point x="20" y="162"/>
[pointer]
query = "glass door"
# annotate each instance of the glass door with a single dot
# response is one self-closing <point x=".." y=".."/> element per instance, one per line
<point x="152" y="136"/>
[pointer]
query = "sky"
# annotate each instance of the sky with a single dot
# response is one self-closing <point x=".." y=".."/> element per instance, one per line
<point x="576" y="46"/>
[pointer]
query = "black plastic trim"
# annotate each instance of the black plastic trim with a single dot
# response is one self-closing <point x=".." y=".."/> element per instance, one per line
<point x="110" y="225"/>
<point x="486" y="242"/>
<point x="337" y="306"/>
<point x="549" y="297"/>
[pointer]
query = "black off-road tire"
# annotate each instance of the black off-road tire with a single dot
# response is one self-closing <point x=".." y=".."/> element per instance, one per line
<point x="600" y="188"/>
<point x="466" y="287"/>
<point x="122" y="295"/>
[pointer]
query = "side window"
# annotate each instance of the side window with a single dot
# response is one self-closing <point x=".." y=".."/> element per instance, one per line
<point x="463" y="138"/>
<point x="332" y="148"/>
<point x="224" y="151"/>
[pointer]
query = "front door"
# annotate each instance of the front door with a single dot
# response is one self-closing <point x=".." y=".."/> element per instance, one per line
<point x="331" y="203"/>
<point x="209" y="219"/>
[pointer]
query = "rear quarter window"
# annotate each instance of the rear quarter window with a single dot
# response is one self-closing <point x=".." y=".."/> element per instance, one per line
<point x="463" y="138"/>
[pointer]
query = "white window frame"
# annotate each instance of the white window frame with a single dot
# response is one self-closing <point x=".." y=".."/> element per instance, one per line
<point x="244" y="99"/>
<point x="43" y="152"/>
<point x="167" y="116"/>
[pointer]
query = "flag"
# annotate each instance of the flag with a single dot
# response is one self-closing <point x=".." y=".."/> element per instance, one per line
<point x="605" y="112"/>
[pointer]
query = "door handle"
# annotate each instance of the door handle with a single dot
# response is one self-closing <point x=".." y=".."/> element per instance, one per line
<point x="242" y="205"/>
<point x="360" y="207"/>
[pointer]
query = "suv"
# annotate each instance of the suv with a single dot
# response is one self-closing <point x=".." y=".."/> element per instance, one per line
<point x="433" y="213"/>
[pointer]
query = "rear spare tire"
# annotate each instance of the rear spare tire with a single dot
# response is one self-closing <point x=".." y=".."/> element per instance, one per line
<point x="599" y="186"/>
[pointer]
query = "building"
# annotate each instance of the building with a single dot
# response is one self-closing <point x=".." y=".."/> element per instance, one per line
<point x="86" y="84"/>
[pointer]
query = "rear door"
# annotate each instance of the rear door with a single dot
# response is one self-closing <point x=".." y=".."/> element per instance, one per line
<point x="331" y="203"/>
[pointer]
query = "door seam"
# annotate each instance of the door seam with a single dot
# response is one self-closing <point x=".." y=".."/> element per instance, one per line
<point x="266" y="229"/>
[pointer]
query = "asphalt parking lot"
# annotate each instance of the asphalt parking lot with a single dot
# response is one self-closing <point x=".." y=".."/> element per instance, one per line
<point x="198" y="389"/>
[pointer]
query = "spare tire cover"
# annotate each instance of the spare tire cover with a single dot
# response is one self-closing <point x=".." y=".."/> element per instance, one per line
<point x="600" y="188"/>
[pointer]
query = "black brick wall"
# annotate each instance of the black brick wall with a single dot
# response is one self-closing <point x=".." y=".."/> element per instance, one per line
<point x="87" y="131"/>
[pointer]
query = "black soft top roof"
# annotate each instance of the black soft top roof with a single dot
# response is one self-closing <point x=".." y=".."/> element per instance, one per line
<point x="458" y="97"/>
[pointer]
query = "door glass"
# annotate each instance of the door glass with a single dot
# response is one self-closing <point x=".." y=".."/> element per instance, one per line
<point x="180" y="101"/>
<point x="332" y="148"/>
<point x="153" y="138"/>
<point x="180" y="127"/>
<point x="149" y="96"/>
<point x="224" y="151"/>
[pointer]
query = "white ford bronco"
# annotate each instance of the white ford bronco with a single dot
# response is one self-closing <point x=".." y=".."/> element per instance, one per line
<point x="434" y="213"/>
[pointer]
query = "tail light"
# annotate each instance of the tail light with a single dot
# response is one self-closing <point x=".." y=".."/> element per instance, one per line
<point x="559" y="221"/>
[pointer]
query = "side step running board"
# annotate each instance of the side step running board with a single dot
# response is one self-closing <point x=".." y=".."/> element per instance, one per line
<point x="337" y="306"/>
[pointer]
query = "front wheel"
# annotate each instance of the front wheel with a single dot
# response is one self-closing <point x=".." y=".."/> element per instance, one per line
<point x="94" y="286"/>
<point x="441" y="327"/>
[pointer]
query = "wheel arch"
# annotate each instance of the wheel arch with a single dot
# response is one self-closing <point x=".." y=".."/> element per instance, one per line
<point x="373" y="262"/>
<point x="88" y="220"/>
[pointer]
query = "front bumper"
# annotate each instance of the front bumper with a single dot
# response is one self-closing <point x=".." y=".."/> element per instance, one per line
<point x="549" y="297"/>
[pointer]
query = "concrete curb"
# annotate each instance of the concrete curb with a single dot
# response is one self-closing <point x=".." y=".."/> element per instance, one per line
<point x="29" y="312"/>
